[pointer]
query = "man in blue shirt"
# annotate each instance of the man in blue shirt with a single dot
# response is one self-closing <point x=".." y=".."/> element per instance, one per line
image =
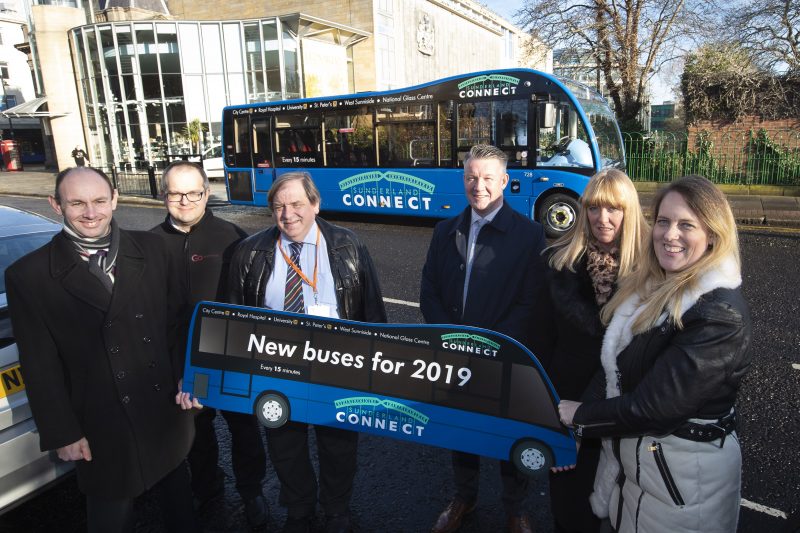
<point x="304" y="264"/>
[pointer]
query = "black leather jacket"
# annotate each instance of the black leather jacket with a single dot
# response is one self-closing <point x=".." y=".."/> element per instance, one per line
<point x="668" y="376"/>
<point x="358" y="294"/>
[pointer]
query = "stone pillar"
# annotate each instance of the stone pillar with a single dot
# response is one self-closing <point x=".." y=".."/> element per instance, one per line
<point x="50" y="29"/>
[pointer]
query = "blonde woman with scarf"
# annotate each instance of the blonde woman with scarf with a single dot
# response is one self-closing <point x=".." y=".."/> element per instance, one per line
<point x="585" y="267"/>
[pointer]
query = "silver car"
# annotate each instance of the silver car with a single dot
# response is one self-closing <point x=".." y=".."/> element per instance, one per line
<point x="24" y="470"/>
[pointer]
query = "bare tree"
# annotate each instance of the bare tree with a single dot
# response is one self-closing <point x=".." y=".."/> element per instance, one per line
<point x="770" y="30"/>
<point x="629" y="40"/>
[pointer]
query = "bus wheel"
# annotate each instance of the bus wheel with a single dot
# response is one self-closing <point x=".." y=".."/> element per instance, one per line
<point x="272" y="410"/>
<point x="531" y="457"/>
<point x="558" y="214"/>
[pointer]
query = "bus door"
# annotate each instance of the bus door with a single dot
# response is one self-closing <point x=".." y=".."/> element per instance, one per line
<point x="263" y="155"/>
<point x="238" y="160"/>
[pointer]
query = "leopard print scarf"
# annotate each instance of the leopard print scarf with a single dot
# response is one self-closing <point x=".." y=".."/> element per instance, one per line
<point x="603" y="268"/>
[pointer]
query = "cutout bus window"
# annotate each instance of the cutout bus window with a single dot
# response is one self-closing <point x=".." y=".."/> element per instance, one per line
<point x="456" y="387"/>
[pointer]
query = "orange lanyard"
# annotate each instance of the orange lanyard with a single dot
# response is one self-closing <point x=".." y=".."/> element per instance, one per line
<point x="296" y="268"/>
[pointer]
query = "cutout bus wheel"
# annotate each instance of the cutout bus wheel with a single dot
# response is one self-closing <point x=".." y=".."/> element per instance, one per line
<point x="272" y="410"/>
<point x="531" y="457"/>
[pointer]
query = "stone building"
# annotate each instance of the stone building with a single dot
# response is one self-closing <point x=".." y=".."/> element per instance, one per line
<point x="139" y="81"/>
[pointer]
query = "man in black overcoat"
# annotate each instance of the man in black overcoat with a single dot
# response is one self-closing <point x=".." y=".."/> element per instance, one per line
<point x="484" y="269"/>
<point x="94" y="318"/>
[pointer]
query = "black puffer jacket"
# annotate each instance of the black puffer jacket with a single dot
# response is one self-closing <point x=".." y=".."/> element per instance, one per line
<point x="358" y="293"/>
<point x="669" y="375"/>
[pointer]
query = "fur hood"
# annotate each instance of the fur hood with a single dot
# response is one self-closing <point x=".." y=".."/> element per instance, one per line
<point x="618" y="335"/>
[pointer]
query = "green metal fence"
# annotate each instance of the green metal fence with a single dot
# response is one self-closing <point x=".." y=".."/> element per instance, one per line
<point x="751" y="157"/>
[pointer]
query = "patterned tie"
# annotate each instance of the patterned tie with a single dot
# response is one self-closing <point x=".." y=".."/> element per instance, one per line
<point x="293" y="298"/>
<point x="97" y="267"/>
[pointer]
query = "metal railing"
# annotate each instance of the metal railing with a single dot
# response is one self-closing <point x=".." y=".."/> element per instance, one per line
<point x="749" y="157"/>
<point x="134" y="182"/>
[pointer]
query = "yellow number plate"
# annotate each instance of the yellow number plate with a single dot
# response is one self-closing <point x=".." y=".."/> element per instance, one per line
<point x="11" y="381"/>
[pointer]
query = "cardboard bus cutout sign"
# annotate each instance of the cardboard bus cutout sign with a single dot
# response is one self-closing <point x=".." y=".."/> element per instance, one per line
<point x="455" y="387"/>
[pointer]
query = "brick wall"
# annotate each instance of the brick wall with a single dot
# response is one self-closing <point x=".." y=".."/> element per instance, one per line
<point x="733" y="136"/>
<point x="730" y="139"/>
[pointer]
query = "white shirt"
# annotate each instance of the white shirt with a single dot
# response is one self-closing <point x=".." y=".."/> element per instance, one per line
<point x="326" y="287"/>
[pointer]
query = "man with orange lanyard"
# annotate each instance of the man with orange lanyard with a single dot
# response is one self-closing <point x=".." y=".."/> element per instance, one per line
<point x="304" y="264"/>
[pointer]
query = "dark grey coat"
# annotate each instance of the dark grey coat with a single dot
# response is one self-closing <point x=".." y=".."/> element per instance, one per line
<point x="507" y="272"/>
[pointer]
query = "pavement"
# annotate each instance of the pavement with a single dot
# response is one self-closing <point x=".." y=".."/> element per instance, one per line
<point x="777" y="207"/>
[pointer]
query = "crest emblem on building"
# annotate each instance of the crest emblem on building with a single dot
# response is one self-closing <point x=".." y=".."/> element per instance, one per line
<point x="425" y="33"/>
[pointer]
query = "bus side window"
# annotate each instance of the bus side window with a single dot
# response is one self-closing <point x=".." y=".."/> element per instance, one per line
<point x="350" y="139"/>
<point x="446" y="134"/>
<point x="406" y="136"/>
<point x="241" y="143"/>
<point x="566" y="144"/>
<point x="262" y="147"/>
<point x="299" y="140"/>
<point x="474" y="126"/>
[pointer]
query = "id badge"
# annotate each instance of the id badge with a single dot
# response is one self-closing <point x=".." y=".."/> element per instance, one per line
<point x="323" y="310"/>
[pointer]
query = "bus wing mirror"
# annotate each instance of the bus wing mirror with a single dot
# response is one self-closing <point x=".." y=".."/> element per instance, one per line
<point x="547" y="111"/>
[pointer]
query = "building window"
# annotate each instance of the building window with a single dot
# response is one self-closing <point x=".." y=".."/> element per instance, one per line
<point x="385" y="6"/>
<point x="509" y="44"/>
<point x="144" y="83"/>
<point x="4" y="71"/>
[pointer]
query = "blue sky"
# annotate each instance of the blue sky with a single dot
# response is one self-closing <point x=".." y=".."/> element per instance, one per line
<point x="504" y="8"/>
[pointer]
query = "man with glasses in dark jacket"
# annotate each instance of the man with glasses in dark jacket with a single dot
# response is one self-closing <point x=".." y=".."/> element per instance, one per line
<point x="201" y="246"/>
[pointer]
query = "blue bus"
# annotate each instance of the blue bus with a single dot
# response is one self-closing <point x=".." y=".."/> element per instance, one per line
<point x="400" y="152"/>
<point x="455" y="387"/>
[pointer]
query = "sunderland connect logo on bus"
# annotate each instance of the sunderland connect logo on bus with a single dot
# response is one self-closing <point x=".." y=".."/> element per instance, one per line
<point x="391" y="190"/>
<point x="384" y="415"/>
<point x="470" y="343"/>
<point x="488" y="85"/>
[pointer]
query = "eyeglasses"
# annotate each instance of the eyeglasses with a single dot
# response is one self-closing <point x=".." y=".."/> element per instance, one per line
<point x="194" y="196"/>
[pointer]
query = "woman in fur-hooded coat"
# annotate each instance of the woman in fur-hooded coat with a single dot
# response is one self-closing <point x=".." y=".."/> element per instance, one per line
<point x="674" y="354"/>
